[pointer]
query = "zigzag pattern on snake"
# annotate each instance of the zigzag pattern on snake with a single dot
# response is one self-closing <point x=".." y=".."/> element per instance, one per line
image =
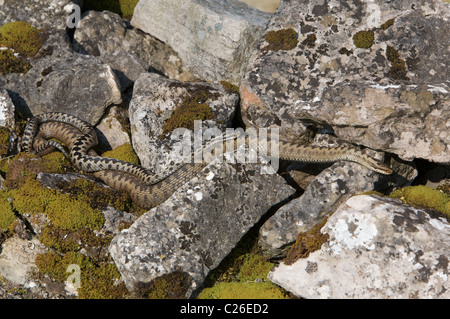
<point x="146" y="188"/>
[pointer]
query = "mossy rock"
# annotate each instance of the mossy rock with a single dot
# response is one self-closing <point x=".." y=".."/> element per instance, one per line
<point x="424" y="197"/>
<point x="169" y="286"/>
<point x="193" y="107"/>
<point x="124" y="8"/>
<point x="363" y="39"/>
<point x="24" y="166"/>
<point x="306" y="243"/>
<point x="97" y="281"/>
<point x="63" y="210"/>
<point x="250" y="290"/>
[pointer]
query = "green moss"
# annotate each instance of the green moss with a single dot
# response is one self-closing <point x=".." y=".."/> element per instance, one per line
<point x="9" y="63"/>
<point x="193" y="107"/>
<point x="425" y="197"/>
<point x="102" y="282"/>
<point x="306" y="243"/>
<point x="398" y="67"/>
<point x="169" y="286"/>
<point x="4" y="140"/>
<point x="236" y="290"/>
<point x="444" y="188"/>
<point x="229" y="88"/>
<point x="387" y="24"/>
<point x="124" y="8"/>
<point x="284" y="39"/>
<point x="254" y="267"/>
<point x="21" y="37"/>
<point x="24" y="166"/>
<point x="124" y="152"/>
<point x="363" y="39"/>
<point x="63" y="210"/>
<point x="95" y="195"/>
<point x="97" y="281"/>
<point x="7" y="216"/>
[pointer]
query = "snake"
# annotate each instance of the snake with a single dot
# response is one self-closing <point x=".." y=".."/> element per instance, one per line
<point x="146" y="188"/>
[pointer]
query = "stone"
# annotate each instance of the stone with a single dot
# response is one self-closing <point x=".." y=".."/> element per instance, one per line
<point x="127" y="50"/>
<point x="111" y="130"/>
<point x="42" y="14"/>
<point x="189" y="235"/>
<point x="314" y="67"/>
<point x="17" y="259"/>
<point x="324" y="194"/>
<point x="6" y="110"/>
<point x="377" y="248"/>
<point x="64" y="81"/>
<point x="214" y="38"/>
<point x="155" y="100"/>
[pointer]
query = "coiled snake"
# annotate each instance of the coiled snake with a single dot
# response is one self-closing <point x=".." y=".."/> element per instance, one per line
<point x="146" y="188"/>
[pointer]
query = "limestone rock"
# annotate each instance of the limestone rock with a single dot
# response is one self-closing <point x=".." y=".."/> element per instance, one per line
<point x="361" y="68"/>
<point x="188" y="235"/>
<point x="127" y="50"/>
<point x="6" y="110"/>
<point x="111" y="131"/>
<point x="64" y="81"/>
<point x="378" y="248"/>
<point x="154" y="101"/>
<point x="17" y="259"/>
<point x="214" y="38"/>
<point x="46" y="14"/>
<point x="326" y="192"/>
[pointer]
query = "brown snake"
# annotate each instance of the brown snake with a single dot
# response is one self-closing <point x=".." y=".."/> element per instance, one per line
<point x="146" y="188"/>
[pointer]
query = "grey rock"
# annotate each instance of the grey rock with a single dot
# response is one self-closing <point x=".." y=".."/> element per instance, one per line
<point x="327" y="81"/>
<point x="154" y="100"/>
<point x="127" y="50"/>
<point x="324" y="194"/>
<point x="378" y="248"/>
<point x="6" y="110"/>
<point x="17" y="259"/>
<point x="114" y="218"/>
<point x="65" y="81"/>
<point x="42" y="14"/>
<point x="214" y="38"/>
<point x="190" y="234"/>
<point x="111" y="130"/>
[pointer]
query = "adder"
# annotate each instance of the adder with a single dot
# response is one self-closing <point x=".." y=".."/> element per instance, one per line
<point x="146" y="188"/>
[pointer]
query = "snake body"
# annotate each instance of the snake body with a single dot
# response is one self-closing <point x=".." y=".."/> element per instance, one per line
<point x="146" y="188"/>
